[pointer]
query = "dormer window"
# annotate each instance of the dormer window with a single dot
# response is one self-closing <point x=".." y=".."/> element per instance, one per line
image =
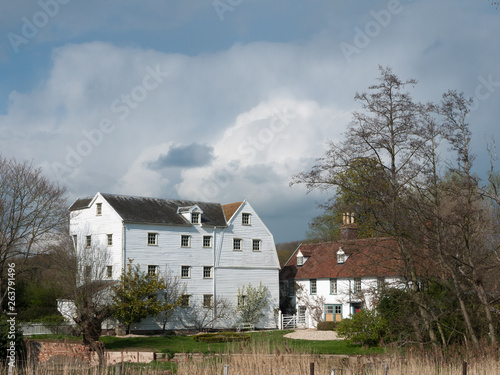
<point x="191" y="213"/>
<point x="300" y="261"/>
<point x="195" y="218"/>
<point x="341" y="256"/>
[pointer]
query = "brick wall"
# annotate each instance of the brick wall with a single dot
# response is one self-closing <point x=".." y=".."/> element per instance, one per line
<point x="42" y="351"/>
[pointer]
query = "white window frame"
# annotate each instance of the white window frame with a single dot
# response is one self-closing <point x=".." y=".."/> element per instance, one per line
<point x="242" y="300"/>
<point x="313" y="286"/>
<point x="152" y="269"/>
<point x="238" y="241"/>
<point x="188" y="269"/>
<point x="357" y="286"/>
<point x="245" y="218"/>
<point x="210" y="272"/>
<point x="186" y="300"/>
<point x="333" y="286"/>
<point x="185" y="237"/>
<point x="88" y="241"/>
<point x="208" y="300"/>
<point x="300" y="261"/>
<point x="98" y="209"/>
<point x="152" y="239"/>
<point x="109" y="239"/>
<point x="209" y="238"/>
<point x="258" y="242"/>
<point x="195" y="218"/>
<point x="109" y="272"/>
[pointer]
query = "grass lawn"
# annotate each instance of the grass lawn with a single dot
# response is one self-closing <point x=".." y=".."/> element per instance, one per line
<point x="275" y="339"/>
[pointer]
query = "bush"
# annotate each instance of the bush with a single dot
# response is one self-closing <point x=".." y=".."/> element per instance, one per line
<point x="326" y="326"/>
<point x="365" y="327"/>
<point x="221" y="337"/>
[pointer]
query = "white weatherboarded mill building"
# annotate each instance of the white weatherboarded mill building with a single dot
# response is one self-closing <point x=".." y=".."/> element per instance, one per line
<point x="214" y="249"/>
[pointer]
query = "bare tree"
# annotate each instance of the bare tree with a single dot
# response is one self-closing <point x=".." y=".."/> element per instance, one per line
<point x="171" y="297"/>
<point x="202" y="315"/>
<point x="390" y="133"/>
<point x="92" y="293"/>
<point x="314" y="304"/>
<point x="32" y="212"/>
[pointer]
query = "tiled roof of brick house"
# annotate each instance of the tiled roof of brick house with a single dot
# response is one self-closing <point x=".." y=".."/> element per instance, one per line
<point x="372" y="257"/>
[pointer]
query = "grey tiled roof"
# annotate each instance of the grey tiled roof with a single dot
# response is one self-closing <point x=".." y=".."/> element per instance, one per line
<point x="157" y="211"/>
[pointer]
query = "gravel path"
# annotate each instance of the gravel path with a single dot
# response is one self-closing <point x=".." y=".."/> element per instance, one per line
<point x="312" y="334"/>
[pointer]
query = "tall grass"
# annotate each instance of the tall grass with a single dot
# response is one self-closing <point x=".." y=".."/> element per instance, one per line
<point x="258" y="358"/>
<point x="261" y="357"/>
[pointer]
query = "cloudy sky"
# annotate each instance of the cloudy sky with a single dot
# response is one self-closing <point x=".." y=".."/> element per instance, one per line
<point x="224" y="100"/>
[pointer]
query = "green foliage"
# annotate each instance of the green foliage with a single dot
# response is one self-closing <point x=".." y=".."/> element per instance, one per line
<point x="251" y="302"/>
<point x="397" y="306"/>
<point x="326" y="326"/>
<point x="365" y="328"/>
<point x="136" y="296"/>
<point x="221" y="337"/>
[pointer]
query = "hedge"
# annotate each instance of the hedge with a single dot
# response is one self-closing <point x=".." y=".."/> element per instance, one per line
<point x="221" y="337"/>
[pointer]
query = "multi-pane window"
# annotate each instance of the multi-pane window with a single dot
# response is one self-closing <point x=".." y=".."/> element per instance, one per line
<point x="313" y="285"/>
<point x="207" y="272"/>
<point x="357" y="286"/>
<point x="109" y="272"/>
<point x="256" y="245"/>
<point x="242" y="300"/>
<point x="152" y="269"/>
<point x="236" y="243"/>
<point x="380" y="284"/>
<point x="110" y="240"/>
<point x="87" y="272"/>
<point x="300" y="261"/>
<point x="185" y="300"/>
<point x="185" y="272"/>
<point x="333" y="286"/>
<point x="98" y="209"/>
<point x="208" y="300"/>
<point x="88" y="241"/>
<point x="207" y="241"/>
<point x="338" y="309"/>
<point x="195" y="218"/>
<point x="152" y="238"/>
<point x="301" y="314"/>
<point x="185" y="239"/>
<point x="245" y="218"/>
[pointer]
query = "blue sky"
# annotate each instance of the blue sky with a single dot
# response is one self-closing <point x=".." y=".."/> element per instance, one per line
<point x="224" y="100"/>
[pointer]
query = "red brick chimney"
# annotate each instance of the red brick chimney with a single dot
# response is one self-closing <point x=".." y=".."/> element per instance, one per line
<point x="348" y="230"/>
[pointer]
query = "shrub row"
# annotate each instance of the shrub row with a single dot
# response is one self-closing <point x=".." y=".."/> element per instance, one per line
<point x="326" y="326"/>
<point x="221" y="337"/>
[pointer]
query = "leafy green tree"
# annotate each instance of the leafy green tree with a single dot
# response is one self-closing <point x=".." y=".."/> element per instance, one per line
<point x="136" y="296"/>
<point x="251" y="303"/>
<point x="365" y="327"/>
